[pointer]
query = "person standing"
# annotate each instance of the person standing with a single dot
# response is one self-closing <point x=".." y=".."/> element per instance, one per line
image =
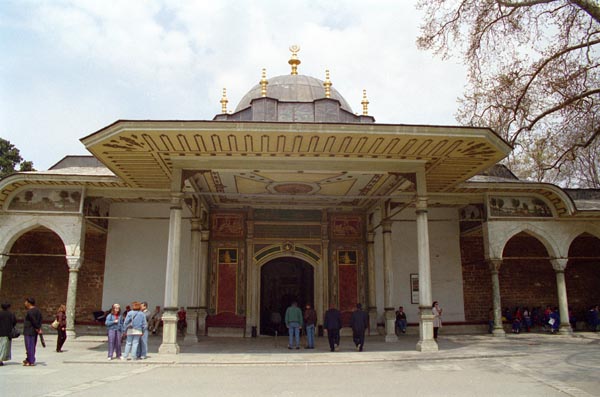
<point x="114" y="327"/>
<point x="359" y="323"/>
<point x="32" y="327"/>
<point x="437" y="318"/>
<point x="310" y="322"/>
<point x="333" y="324"/>
<point x="401" y="319"/>
<point x="142" y="351"/>
<point x="61" y="317"/>
<point x="134" y="325"/>
<point x="7" y="323"/>
<point x="293" y="321"/>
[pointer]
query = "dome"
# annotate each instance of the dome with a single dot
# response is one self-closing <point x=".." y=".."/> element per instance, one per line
<point x="293" y="88"/>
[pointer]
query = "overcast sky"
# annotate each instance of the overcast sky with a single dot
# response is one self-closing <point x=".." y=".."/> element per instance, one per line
<point x="69" y="68"/>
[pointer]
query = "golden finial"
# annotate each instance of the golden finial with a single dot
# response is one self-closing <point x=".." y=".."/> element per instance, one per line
<point x="263" y="83"/>
<point x="294" y="61"/>
<point x="365" y="103"/>
<point x="327" y="85"/>
<point x="224" y="101"/>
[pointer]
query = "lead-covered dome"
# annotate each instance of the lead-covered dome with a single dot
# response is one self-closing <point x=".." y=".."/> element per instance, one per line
<point x="293" y="88"/>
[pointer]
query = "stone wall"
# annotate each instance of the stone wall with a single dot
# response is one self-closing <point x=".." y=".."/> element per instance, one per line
<point x="477" y="281"/>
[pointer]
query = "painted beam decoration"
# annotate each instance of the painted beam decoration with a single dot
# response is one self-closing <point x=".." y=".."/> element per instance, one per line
<point x="518" y="206"/>
<point x="51" y="200"/>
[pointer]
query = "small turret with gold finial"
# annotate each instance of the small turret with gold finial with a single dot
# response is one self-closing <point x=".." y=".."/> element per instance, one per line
<point x="365" y="103"/>
<point x="263" y="83"/>
<point x="224" y="101"/>
<point x="294" y="61"/>
<point x="327" y="84"/>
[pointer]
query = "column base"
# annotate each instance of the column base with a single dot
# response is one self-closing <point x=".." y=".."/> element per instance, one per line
<point x="169" y="343"/>
<point x="201" y="330"/>
<point x="566" y="330"/>
<point x="373" y="321"/>
<point x="390" y="325"/>
<point x="498" y="332"/>
<point x="192" y="321"/>
<point x="71" y="334"/>
<point x="426" y="341"/>
<point x="427" y="345"/>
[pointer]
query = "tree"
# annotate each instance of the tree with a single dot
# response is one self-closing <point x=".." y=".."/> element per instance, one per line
<point x="533" y="69"/>
<point x="10" y="157"/>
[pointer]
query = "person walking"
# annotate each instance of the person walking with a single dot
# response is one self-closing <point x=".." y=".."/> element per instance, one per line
<point x="293" y="321"/>
<point x="437" y="318"/>
<point x="333" y="324"/>
<point x="61" y="318"/>
<point x="134" y="325"/>
<point x="7" y="323"/>
<point x="32" y="327"/>
<point x="310" y="322"/>
<point x="114" y="326"/>
<point x="359" y="323"/>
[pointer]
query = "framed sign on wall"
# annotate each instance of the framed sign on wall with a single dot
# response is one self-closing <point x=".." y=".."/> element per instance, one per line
<point x="414" y="288"/>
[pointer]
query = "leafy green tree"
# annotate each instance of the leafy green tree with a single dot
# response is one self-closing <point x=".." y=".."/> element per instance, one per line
<point x="10" y="158"/>
<point x="533" y="76"/>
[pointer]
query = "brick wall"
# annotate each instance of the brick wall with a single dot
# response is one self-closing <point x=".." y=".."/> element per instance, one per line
<point x="46" y="277"/>
<point x="529" y="282"/>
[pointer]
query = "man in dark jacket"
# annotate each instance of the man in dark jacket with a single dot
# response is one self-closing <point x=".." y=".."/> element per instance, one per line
<point x="333" y="323"/>
<point x="32" y="326"/>
<point x="359" y="323"/>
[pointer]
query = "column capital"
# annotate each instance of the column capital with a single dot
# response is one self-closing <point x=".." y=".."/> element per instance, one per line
<point x="176" y="198"/>
<point x="196" y="224"/>
<point x="386" y="224"/>
<point x="421" y="204"/>
<point x="74" y="263"/>
<point x="559" y="264"/>
<point x="204" y="235"/>
<point x="494" y="264"/>
<point x="370" y="237"/>
<point x="3" y="261"/>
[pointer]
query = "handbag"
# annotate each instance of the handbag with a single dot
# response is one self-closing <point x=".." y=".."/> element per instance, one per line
<point x="14" y="333"/>
<point x="55" y="324"/>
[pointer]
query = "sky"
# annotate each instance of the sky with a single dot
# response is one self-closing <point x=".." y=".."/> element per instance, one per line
<point x="71" y="67"/>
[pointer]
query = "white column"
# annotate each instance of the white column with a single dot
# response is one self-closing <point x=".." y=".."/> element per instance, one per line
<point x="559" y="266"/>
<point x="390" y="313"/>
<point x="74" y="263"/>
<point x="371" y="276"/>
<point x="3" y="262"/>
<point x="169" y="342"/>
<point x="495" y="265"/>
<point x="203" y="298"/>
<point x="426" y="342"/>
<point x="192" y="310"/>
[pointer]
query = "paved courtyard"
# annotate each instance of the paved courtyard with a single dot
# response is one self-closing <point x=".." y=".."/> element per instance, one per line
<point x="466" y="365"/>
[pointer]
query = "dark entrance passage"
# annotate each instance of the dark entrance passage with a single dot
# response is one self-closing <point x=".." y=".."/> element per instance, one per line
<point x="283" y="281"/>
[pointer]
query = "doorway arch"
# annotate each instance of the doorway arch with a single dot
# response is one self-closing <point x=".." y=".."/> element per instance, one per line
<point x="283" y="280"/>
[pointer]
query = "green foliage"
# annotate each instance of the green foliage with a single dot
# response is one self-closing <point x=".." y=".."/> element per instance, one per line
<point x="10" y="159"/>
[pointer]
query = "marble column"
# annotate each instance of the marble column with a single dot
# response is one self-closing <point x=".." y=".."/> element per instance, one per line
<point x="372" y="304"/>
<point x="169" y="318"/>
<point x="203" y="298"/>
<point x="559" y="266"/>
<point x="74" y="263"/>
<point x="3" y="262"/>
<point x="426" y="342"/>
<point x="495" y="265"/>
<point x="192" y="310"/>
<point x="388" y="306"/>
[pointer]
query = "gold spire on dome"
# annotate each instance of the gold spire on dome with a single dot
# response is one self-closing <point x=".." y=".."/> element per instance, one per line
<point x="327" y="84"/>
<point x="294" y="61"/>
<point x="365" y="103"/>
<point x="263" y="83"/>
<point x="224" y="101"/>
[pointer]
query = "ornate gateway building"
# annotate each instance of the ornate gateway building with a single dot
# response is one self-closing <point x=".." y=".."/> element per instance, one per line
<point x="294" y="197"/>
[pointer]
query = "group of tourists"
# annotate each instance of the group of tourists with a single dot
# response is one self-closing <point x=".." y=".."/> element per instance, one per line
<point x="32" y="330"/>
<point x="132" y="326"/>
<point x="546" y="320"/>
<point x="295" y="320"/>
